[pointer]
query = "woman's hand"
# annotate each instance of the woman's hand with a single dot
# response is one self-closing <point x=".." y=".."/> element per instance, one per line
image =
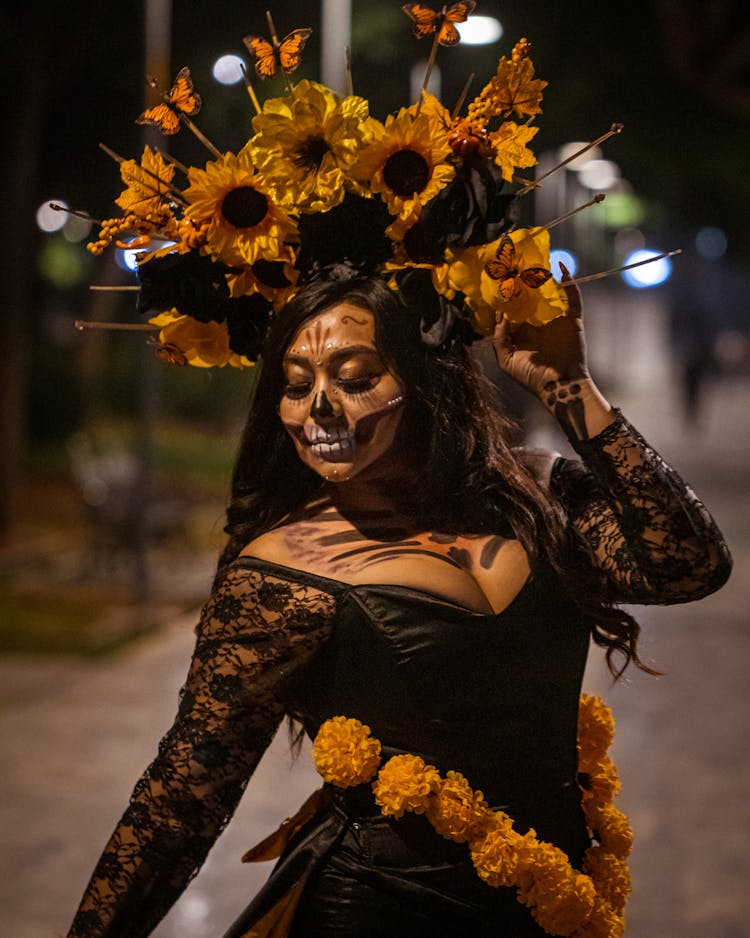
<point x="540" y="357"/>
<point x="550" y="361"/>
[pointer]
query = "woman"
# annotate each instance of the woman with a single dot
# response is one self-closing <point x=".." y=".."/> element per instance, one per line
<point x="392" y="558"/>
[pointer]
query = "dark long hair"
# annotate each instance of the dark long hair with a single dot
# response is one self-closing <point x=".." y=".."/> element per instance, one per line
<point x="473" y="477"/>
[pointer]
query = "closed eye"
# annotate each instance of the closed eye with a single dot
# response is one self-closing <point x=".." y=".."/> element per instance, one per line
<point x="357" y="385"/>
<point x="298" y="390"/>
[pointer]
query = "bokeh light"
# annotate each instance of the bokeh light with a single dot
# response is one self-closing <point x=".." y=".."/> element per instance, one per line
<point x="599" y="174"/>
<point x="127" y="258"/>
<point x="559" y="256"/>
<point x="49" y="219"/>
<point x="648" y="275"/>
<point x="480" y="30"/>
<point x="711" y="243"/>
<point x="568" y="149"/>
<point x="227" y="69"/>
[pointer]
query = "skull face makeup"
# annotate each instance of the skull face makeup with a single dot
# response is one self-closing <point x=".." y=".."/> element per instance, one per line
<point x="340" y="404"/>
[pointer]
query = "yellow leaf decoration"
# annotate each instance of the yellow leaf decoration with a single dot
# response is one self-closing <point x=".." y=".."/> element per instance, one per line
<point x="511" y="152"/>
<point x="516" y="89"/>
<point x="512" y="88"/>
<point x="148" y="185"/>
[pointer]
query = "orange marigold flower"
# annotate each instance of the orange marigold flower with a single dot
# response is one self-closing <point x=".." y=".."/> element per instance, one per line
<point x="405" y="783"/>
<point x="345" y="753"/>
<point x="457" y="811"/>
<point x="611" y="876"/>
<point x="596" y="726"/>
<point x="611" y="829"/>
<point x="502" y="856"/>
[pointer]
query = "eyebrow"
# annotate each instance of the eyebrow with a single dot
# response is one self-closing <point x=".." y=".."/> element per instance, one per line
<point x="335" y="355"/>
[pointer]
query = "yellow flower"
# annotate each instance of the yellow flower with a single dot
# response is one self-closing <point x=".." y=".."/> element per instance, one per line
<point x="407" y="160"/>
<point x="148" y="186"/>
<point x="503" y="856"/>
<point x="611" y="875"/>
<point x="275" y="280"/>
<point x="345" y="753"/>
<point x="244" y="223"/>
<point x="535" y="305"/>
<point x="306" y="143"/>
<point x="610" y="827"/>
<point x="560" y="897"/>
<point x="440" y="274"/>
<point x="596" y="727"/>
<point x="456" y="811"/>
<point x="603" y="922"/>
<point x="203" y="344"/>
<point x="599" y="781"/>
<point x="405" y="783"/>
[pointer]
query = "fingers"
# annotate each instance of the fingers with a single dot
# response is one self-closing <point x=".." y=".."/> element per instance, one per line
<point x="572" y="292"/>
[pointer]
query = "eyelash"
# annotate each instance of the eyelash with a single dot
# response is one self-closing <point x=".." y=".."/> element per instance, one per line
<point x="351" y="386"/>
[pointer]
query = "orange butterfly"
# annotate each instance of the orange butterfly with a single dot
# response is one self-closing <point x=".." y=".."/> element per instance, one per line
<point x="427" y="21"/>
<point x="268" y="58"/>
<point x="180" y="99"/>
<point x="505" y="269"/>
<point x="167" y="353"/>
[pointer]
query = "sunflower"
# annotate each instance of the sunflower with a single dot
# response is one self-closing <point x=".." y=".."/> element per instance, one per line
<point x="407" y="162"/>
<point x="244" y="223"/>
<point x="306" y="143"/>
<point x="202" y="344"/>
<point x="275" y="280"/>
<point x="534" y="305"/>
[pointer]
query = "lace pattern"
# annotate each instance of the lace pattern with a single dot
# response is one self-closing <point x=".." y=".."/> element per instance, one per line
<point x="643" y="527"/>
<point x="646" y="530"/>
<point x="252" y="632"/>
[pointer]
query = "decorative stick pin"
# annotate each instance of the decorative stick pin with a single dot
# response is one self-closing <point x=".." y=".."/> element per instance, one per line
<point x="530" y="184"/>
<point x="616" y="270"/>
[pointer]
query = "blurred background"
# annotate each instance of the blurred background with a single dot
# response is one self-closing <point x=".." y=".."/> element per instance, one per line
<point x="114" y="468"/>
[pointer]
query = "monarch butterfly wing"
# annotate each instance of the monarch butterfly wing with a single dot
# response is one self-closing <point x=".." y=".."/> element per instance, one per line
<point x="182" y="96"/>
<point x="460" y="12"/>
<point x="508" y="288"/>
<point x="161" y="116"/>
<point x="264" y="54"/>
<point x="534" y="277"/>
<point x="425" y="19"/>
<point x="448" y="35"/>
<point x="167" y="353"/>
<point x="504" y="261"/>
<point x="457" y="13"/>
<point x="290" y="50"/>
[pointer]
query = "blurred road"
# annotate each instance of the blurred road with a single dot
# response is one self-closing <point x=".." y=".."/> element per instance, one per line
<point x="75" y="736"/>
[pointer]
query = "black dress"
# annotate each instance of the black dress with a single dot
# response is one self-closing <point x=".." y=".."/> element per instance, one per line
<point x="494" y="697"/>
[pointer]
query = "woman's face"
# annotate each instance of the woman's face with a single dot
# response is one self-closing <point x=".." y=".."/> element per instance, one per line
<point x="340" y="404"/>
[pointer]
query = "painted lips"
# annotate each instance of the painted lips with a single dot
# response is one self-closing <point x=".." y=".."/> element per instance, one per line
<point x="335" y="445"/>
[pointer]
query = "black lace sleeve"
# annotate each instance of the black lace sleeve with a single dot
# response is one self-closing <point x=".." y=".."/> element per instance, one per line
<point x="646" y="530"/>
<point x="253" y="631"/>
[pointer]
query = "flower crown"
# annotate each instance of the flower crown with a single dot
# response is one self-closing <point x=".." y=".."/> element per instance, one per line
<point x="427" y="200"/>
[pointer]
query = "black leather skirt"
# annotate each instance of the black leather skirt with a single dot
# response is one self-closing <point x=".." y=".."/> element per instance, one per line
<point x="368" y="876"/>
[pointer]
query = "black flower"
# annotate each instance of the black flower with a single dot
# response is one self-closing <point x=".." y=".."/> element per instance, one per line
<point x="193" y="284"/>
<point x="352" y="233"/>
<point x="471" y="209"/>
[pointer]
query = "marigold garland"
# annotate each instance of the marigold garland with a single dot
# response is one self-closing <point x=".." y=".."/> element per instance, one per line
<point x="564" y="901"/>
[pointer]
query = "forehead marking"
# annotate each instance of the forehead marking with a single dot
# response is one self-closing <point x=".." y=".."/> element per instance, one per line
<point x="319" y="339"/>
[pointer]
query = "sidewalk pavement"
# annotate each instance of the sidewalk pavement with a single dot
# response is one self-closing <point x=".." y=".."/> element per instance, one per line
<point x="76" y="735"/>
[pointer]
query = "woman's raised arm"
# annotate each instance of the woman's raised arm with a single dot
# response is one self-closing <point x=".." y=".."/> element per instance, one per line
<point x="645" y="529"/>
